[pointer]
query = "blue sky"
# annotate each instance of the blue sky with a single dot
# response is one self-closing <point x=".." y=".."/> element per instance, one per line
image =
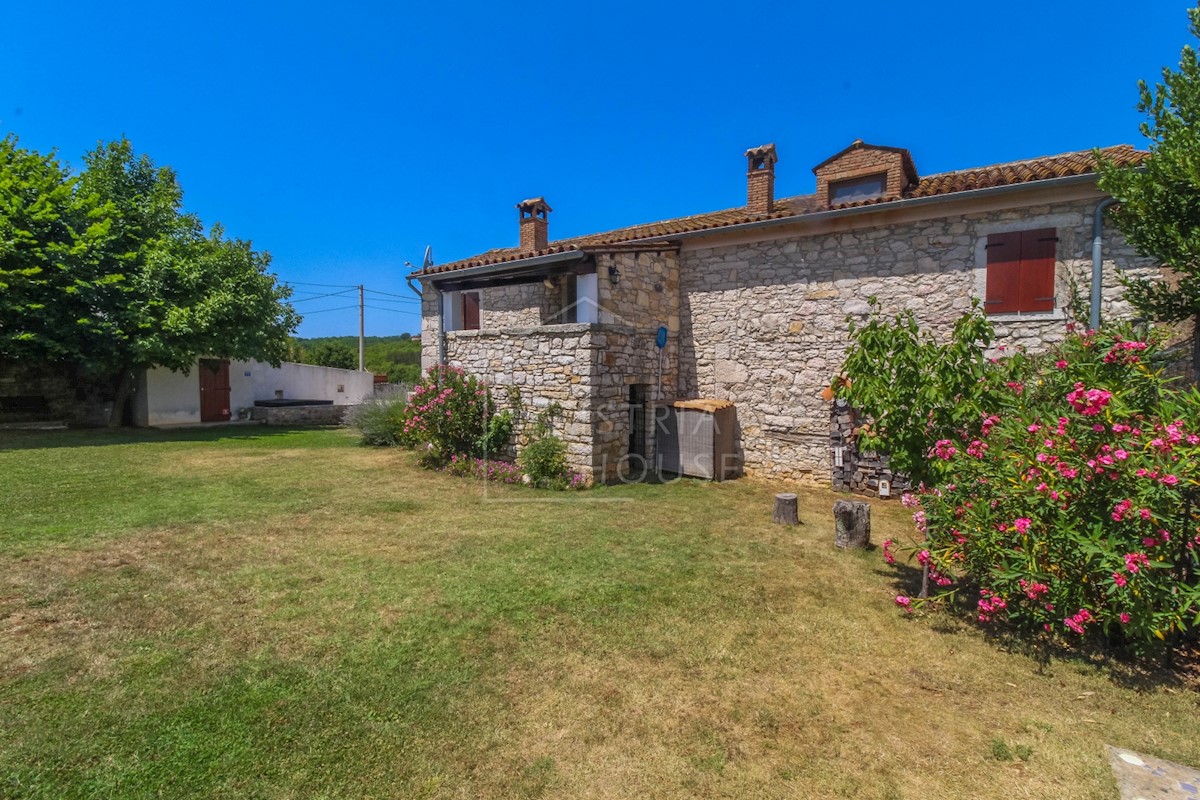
<point x="344" y="138"/>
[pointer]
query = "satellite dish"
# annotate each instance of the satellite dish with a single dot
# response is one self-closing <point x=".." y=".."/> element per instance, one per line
<point x="428" y="262"/>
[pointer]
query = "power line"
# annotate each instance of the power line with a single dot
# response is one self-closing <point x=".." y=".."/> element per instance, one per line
<point x="401" y="296"/>
<point x="319" y="296"/>
<point x="322" y="285"/>
<point x="397" y="302"/>
<point x="393" y="310"/>
<point x="323" y="310"/>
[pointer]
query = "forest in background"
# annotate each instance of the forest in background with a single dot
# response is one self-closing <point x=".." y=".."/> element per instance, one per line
<point x="398" y="357"/>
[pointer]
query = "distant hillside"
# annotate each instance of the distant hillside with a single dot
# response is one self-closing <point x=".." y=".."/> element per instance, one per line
<point x="399" y="357"/>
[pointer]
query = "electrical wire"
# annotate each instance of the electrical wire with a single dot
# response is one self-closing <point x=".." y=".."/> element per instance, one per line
<point x="389" y="294"/>
<point x="323" y="310"/>
<point x="319" y="296"/>
<point x="322" y="285"/>
<point x="393" y="310"/>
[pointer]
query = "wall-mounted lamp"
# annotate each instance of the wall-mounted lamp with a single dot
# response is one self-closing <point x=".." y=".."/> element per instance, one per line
<point x="614" y="274"/>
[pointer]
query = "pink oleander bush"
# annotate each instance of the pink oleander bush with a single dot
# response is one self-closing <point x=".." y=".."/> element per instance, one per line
<point x="1069" y="509"/>
<point x="450" y="413"/>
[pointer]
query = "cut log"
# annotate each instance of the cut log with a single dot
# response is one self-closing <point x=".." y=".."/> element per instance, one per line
<point x="852" y="524"/>
<point x="785" y="510"/>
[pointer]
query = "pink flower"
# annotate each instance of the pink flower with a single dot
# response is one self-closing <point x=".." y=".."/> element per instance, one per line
<point x="1119" y="579"/>
<point x="904" y="602"/>
<point x="1135" y="561"/>
<point x="1088" y="402"/>
<point x="1022" y="524"/>
<point x="944" y="449"/>
<point x="923" y="557"/>
<point x="1061" y="363"/>
<point x="1124" y="617"/>
<point x="1169" y="480"/>
<point x="1034" y="428"/>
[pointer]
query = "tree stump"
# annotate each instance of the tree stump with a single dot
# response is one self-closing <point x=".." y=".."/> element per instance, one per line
<point x="785" y="510"/>
<point x="852" y="524"/>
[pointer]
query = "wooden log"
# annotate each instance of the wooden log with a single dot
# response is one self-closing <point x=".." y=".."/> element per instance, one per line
<point x="852" y="524"/>
<point x="786" y="510"/>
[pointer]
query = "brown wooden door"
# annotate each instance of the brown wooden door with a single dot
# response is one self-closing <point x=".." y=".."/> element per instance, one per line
<point x="214" y="390"/>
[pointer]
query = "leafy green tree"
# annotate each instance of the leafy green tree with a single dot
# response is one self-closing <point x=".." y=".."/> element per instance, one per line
<point x="105" y="276"/>
<point x="332" y="354"/>
<point x="1159" y="201"/>
<point x="914" y="390"/>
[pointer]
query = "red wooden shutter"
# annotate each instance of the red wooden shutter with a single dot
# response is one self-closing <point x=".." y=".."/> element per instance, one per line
<point x="1038" y="250"/>
<point x="1003" y="273"/>
<point x="470" y="311"/>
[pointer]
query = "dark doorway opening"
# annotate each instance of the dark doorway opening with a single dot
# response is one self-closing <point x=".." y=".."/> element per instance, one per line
<point x="637" y="419"/>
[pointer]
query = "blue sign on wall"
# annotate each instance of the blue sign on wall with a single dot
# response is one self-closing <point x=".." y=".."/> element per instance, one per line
<point x="662" y="337"/>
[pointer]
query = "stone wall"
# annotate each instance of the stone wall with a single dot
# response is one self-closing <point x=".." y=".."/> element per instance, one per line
<point x="522" y="306"/>
<point x="766" y="324"/>
<point x="586" y="369"/>
<point x="858" y="472"/>
<point x="50" y="394"/>
<point x="300" y="415"/>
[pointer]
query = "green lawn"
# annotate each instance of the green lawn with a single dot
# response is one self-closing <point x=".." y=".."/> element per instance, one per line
<point x="265" y="613"/>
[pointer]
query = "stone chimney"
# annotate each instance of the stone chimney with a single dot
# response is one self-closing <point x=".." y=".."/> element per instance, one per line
<point x="535" y="224"/>
<point x="760" y="179"/>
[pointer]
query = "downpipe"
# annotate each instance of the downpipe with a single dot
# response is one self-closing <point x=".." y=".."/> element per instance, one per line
<point x="1097" y="261"/>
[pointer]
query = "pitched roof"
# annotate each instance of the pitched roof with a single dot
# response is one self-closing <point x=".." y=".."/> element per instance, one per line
<point x="1014" y="172"/>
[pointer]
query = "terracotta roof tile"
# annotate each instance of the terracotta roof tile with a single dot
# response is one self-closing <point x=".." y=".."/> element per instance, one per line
<point x="1036" y="169"/>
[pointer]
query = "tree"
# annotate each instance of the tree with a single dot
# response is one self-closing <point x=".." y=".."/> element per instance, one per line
<point x="1159" y="201"/>
<point x="105" y="276"/>
<point x="332" y="354"/>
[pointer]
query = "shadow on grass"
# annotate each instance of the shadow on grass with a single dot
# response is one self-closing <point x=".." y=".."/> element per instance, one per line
<point x="1175" y="667"/>
<point x="104" y="437"/>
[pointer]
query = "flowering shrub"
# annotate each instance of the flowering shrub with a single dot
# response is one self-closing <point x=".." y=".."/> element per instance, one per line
<point x="452" y="414"/>
<point x="1069" y="506"/>
<point x="483" y="469"/>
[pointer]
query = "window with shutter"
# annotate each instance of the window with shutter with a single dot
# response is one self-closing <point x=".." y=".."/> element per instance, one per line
<point x="470" y="315"/>
<point x="1020" y="271"/>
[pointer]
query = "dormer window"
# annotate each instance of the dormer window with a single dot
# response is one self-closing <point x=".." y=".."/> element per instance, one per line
<point x="864" y="173"/>
<point x="856" y="190"/>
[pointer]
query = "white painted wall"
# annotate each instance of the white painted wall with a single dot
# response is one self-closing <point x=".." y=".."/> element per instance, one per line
<point x="345" y="387"/>
<point x="587" y="298"/>
<point x="173" y="398"/>
<point x="452" y="310"/>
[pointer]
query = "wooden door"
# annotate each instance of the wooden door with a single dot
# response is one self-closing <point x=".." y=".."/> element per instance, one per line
<point x="214" y="390"/>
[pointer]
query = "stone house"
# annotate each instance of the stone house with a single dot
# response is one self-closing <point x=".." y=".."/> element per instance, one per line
<point x="756" y="300"/>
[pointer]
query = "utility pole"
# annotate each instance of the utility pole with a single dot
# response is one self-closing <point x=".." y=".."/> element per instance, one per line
<point x="361" y="329"/>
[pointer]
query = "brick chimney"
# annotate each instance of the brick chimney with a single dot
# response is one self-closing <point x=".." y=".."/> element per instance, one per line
<point x="535" y="224"/>
<point x="760" y="179"/>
